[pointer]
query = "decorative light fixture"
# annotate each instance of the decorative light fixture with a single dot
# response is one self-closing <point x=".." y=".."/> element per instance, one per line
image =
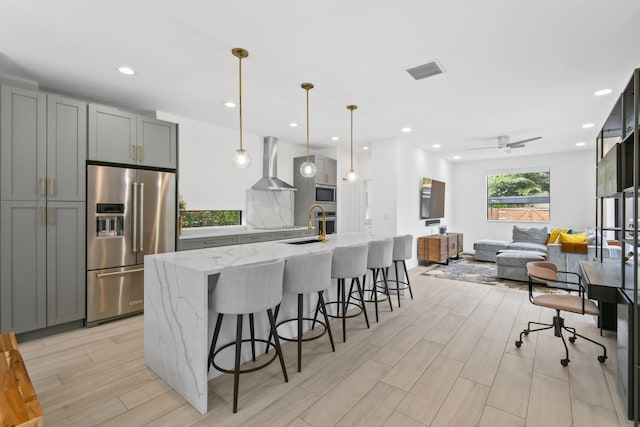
<point x="240" y="157"/>
<point x="307" y="169"/>
<point x="351" y="173"/>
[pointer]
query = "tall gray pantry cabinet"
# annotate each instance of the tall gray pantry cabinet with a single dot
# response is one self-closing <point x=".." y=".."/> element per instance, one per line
<point x="43" y="151"/>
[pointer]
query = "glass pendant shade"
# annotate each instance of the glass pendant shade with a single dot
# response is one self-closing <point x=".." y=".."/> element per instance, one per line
<point x="351" y="175"/>
<point x="308" y="169"/>
<point x="241" y="158"/>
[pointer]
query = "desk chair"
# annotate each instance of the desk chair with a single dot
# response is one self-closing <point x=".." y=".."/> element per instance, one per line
<point x="547" y="273"/>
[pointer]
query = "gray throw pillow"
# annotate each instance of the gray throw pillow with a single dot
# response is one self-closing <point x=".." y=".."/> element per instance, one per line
<point x="533" y="235"/>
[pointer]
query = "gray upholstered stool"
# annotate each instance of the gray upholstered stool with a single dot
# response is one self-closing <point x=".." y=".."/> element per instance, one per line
<point x="379" y="259"/>
<point x="306" y="274"/>
<point x="348" y="262"/>
<point x="487" y="249"/>
<point x="247" y="289"/>
<point x="402" y="250"/>
<point x="512" y="264"/>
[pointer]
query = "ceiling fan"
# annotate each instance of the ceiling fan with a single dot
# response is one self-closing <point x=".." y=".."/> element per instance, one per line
<point x="505" y="145"/>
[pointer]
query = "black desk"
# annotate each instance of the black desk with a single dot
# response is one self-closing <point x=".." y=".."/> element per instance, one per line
<point x="603" y="281"/>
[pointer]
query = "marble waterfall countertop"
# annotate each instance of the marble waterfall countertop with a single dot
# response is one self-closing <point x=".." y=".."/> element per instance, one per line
<point x="178" y="323"/>
<point x="231" y="230"/>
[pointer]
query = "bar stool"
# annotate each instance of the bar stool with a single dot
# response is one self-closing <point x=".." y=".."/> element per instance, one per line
<point x="306" y="274"/>
<point x="247" y="289"/>
<point x="402" y="246"/>
<point x="348" y="262"/>
<point x="379" y="259"/>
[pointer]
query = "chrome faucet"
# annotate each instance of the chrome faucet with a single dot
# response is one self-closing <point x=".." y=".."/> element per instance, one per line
<point x="323" y="233"/>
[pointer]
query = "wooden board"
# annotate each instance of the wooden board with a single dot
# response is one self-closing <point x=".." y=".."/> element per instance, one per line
<point x="19" y="405"/>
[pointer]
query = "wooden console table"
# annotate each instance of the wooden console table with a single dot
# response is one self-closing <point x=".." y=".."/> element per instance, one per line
<point x="19" y="405"/>
<point x="440" y="247"/>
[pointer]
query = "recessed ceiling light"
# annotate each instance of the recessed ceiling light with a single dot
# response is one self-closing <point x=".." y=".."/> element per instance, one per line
<point x="230" y="104"/>
<point x="436" y="145"/>
<point x="334" y="138"/>
<point x="588" y="125"/>
<point x="365" y="148"/>
<point x="603" y="92"/>
<point x="580" y="144"/>
<point x="293" y="125"/>
<point x="406" y="129"/>
<point x="456" y="157"/>
<point x="126" y="70"/>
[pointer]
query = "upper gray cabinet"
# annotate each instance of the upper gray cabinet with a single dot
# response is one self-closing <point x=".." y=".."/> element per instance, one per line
<point x="42" y="146"/>
<point x="326" y="171"/>
<point x="121" y="137"/>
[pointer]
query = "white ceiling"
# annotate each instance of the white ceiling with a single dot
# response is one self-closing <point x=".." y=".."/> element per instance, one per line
<point x="514" y="68"/>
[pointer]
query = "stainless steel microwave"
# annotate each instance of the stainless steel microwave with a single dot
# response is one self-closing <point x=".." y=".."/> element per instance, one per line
<point x="325" y="193"/>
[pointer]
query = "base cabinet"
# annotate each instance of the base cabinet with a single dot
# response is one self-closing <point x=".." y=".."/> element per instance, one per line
<point x="41" y="264"/>
<point x="440" y="247"/>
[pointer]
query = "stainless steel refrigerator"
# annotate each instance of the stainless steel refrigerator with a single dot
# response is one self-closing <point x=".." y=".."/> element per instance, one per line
<point x="130" y="213"/>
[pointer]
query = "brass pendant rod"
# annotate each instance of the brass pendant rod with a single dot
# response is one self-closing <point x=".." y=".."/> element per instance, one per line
<point x="240" y="98"/>
<point x="351" y="108"/>
<point x="307" y="86"/>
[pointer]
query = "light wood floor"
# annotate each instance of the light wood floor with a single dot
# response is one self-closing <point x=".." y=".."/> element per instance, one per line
<point x="446" y="358"/>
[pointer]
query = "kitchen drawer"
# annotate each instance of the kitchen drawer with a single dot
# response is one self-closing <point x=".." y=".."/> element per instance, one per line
<point x="205" y="242"/>
<point x="289" y="234"/>
<point x="253" y="238"/>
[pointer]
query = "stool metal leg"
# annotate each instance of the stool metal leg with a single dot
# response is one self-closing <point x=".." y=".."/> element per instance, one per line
<point x="395" y="264"/>
<point x="274" y="332"/>
<point x="364" y="306"/>
<point x="275" y="317"/>
<point x="386" y="287"/>
<point x="216" y="333"/>
<point x="326" y="319"/>
<point x="253" y="337"/>
<point x="299" y="332"/>
<point x="374" y="291"/>
<point x="236" y="371"/>
<point x="344" y="310"/>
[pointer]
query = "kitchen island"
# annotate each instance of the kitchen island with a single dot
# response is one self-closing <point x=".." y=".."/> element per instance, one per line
<point x="178" y="323"/>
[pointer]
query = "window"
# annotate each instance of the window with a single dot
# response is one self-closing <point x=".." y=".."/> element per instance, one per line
<point x="518" y="196"/>
<point x="210" y="218"/>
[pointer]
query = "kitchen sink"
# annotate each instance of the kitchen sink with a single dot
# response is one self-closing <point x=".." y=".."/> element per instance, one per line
<point x="303" y="242"/>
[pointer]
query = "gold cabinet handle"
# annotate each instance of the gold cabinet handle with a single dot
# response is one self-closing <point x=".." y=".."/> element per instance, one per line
<point x="135" y="152"/>
<point x="43" y="216"/>
<point x="52" y="219"/>
<point x="140" y="152"/>
<point x="51" y="186"/>
<point x="42" y="190"/>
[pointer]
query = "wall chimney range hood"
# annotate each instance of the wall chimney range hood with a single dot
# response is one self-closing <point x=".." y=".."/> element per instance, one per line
<point x="269" y="180"/>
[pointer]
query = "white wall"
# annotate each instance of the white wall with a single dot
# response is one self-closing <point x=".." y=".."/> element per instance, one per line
<point x="207" y="179"/>
<point x="572" y="194"/>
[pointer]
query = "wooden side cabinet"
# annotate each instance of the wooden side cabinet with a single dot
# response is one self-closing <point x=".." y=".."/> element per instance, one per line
<point x="440" y="247"/>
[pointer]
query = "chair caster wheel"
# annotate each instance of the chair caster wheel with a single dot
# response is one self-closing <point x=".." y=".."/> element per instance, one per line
<point x="518" y="344"/>
<point x="572" y="339"/>
<point x="601" y="359"/>
<point x="564" y="362"/>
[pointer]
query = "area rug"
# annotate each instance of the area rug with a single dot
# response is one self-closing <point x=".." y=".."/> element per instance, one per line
<point x="467" y="269"/>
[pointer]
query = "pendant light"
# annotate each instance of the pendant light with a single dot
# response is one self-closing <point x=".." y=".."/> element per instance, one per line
<point x="307" y="169"/>
<point x="351" y="175"/>
<point x="240" y="157"/>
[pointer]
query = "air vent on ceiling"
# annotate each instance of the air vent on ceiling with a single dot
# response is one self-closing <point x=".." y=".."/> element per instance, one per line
<point x="429" y="69"/>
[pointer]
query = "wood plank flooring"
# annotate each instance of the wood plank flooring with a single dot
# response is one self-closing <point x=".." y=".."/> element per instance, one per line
<point x="446" y="358"/>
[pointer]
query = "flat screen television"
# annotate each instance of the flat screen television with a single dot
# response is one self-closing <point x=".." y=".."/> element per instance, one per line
<point x="431" y="199"/>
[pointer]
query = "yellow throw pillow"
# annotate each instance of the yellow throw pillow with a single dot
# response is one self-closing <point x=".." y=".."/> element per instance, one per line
<point x="553" y="238"/>
<point x="573" y="238"/>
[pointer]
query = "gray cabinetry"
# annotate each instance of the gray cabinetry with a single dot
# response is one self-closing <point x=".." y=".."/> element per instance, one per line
<point x="326" y="170"/>
<point x="23" y="272"/>
<point x="42" y="264"/>
<point x="43" y="143"/>
<point x="118" y="136"/>
<point x="23" y="140"/>
<point x="186" y="244"/>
